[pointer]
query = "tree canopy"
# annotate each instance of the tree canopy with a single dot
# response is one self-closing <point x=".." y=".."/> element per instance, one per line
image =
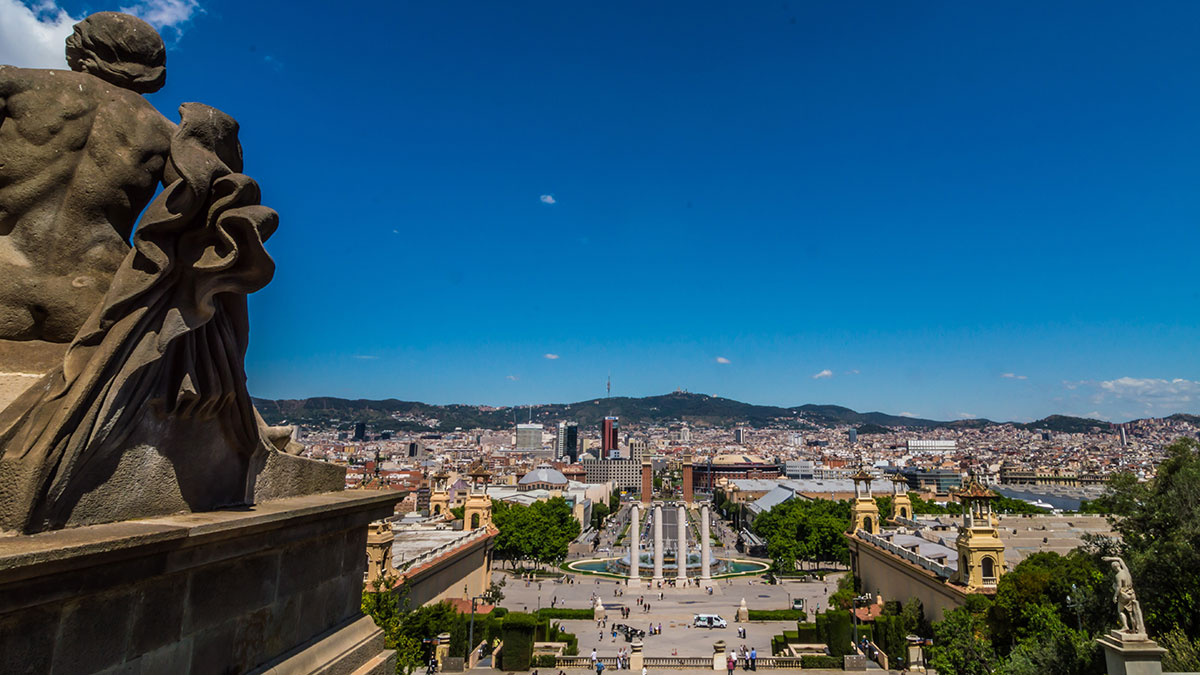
<point x="802" y="529"/>
<point x="540" y="532"/>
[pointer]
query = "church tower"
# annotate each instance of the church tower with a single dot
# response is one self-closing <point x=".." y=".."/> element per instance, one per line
<point x="980" y="551"/>
<point x="865" y="512"/>
<point x="439" y="496"/>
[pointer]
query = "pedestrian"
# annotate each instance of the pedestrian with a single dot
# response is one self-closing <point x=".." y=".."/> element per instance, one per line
<point x="600" y="667"/>
<point x="753" y="658"/>
<point x="593" y="657"/>
<point x="729" y="663"/>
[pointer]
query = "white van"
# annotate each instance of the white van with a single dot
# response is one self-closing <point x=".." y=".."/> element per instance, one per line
<point x="709" y="621"/>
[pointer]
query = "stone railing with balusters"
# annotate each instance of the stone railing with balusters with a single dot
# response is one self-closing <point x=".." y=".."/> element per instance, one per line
<point x="435" y="552"/>
<point x="915" y="558"/>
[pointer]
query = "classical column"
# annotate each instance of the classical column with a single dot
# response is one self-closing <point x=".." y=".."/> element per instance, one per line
<point x="705" y="546"/>
<point x="658" y="542"/>
<point x="635" y="541"/>
<point x="681" y="547"/>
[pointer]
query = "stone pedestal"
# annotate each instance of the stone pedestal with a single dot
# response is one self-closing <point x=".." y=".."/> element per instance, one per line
<point x="915" y="657"/>
<point x="719" y="656"/>
<point x="743" y="612"/>
<point x="636" y="658"/>
<point x="442" y="650"/>
<point x="598" y="610"/>
<point x="276" y="586"/>
<point x="1131" y="654"/>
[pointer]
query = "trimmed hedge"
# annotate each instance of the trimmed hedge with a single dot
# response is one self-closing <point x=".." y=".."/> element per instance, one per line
<point x="777" y="615"/>
<point x="891" y="637"/>
<point x="517" y="630"/>
<point x="806" y="633"/>
<point x="564" y="613"/>
<point x="821" y="661"/>
<point x="837" y="631"/>
<point x="545" y="661"/>
<point x="778" y="644"/>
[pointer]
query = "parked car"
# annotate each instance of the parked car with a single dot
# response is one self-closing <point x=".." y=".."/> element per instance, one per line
<point x="709" y="621"/>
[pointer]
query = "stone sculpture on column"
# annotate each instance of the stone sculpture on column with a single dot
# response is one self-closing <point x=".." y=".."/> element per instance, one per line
<point x="141" y="407"/>
<point x="658" y="542"/>
<point x="705" y="546"/>
<point x="681" y="547"/>
<point x="1129" y="649"/>
<point x="635" y="541"/>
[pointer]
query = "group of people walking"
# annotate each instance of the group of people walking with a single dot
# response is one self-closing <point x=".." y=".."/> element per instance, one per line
<point x="748" y="658"/>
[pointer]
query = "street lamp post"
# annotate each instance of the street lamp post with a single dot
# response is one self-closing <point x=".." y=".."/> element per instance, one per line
<point x="471" y="631"/>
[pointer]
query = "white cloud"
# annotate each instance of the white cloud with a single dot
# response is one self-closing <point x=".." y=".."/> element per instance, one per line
<point x="854" y="371"/>
<point x="33" y="35"/>
<point x="165" y="13"/>
<point x="906" y="414"/>
<point x="552" y="357"/>
<point x="1131" y="396"/>
<point x="548" y="199"/>
<point x="514" y="378"/>
<point x="723" y="360"/>
<point x="967" y="416"/>
<point x="1014" y="376"/>
<point x="823" y="374"/>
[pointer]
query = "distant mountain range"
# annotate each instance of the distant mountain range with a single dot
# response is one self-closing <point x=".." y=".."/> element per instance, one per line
<point x="696" y="409"/>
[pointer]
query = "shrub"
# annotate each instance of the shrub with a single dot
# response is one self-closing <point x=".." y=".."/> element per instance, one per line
<point x="821" y="661"/>
<point x="778" y="644"/>
<point x="837" y="631"/>
<point x="517" y="631"/>
<point x="891" y="636"/>
<point x="777" y="615"/>
<point x="545" y="661"/>
<point x="564" y="613"/>
<point x="806" y="633"/>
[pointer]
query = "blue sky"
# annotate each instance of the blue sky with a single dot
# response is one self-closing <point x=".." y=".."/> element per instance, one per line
<point x="941" y="208"/>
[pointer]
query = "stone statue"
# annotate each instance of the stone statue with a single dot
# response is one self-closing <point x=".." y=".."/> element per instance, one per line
<point x="146" y="411"/>
<point x="1129" y="610"/>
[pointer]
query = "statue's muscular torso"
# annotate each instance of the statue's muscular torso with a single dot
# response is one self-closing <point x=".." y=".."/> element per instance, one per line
<point x="79" y="160"/>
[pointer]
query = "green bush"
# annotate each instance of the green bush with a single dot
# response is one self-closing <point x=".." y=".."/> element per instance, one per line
<point x="777" y="615"/>
<point x="545" y="661"/>
<point x="821" y="661"/>
<point x="564" y="613"/>
<point x="499" y="612"/>
<point x="807" y="634"/>
<point x="891" y="636"/>
<point x="517" y="631"/>
<point x="837" y="631"/>
<point x="778" y="644"/>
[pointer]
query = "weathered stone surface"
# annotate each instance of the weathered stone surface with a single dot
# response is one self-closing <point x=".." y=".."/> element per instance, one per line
<point x="188" y="593"/>
<point x="122" y="385"/>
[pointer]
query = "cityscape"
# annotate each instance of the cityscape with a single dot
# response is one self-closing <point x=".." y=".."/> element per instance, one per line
<point x="545" y="338"/>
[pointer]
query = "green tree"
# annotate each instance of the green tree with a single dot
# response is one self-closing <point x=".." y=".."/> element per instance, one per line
<point x="1160" y="538"/>
<point x="1073" y="587"/>
<point x="800" y="529"/>
<point x="961" y="644"/>
<point x="1183" y="653"/>
<point x="382" y="602"/>
<point x="1051" y="647"/>
<point x="599" y="513"/>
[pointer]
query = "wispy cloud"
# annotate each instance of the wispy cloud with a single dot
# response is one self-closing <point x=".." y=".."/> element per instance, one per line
<point x="906" y="414"/>
<point x="853" y="371"/>
<point x="967" y="416"/>
<point x="552" y="357"/>
<point x="723" y="360"/>
<point x="1013" y="376"/>
<point x="823" y="374"/>
<point x="366" y="357"/>
<point x="1138" y="395"/>
<point x="513" y="378"/>
<point x="172" y="14"/>
<point x="548" y="199"/>
<point x="33" y="35"/>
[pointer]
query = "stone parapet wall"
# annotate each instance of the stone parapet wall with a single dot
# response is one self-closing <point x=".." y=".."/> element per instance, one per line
<point x="223" y="591"/>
